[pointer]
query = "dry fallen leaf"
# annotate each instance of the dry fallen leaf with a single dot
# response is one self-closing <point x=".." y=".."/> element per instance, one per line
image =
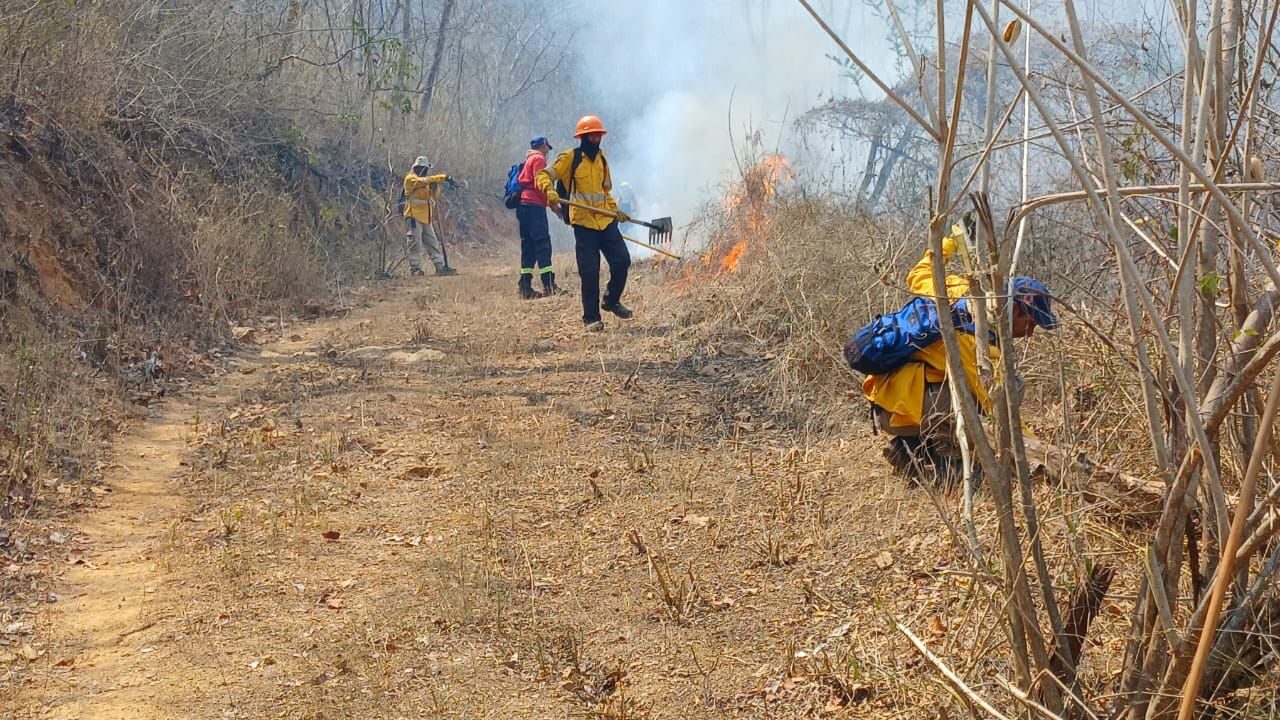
<point x="331" y="534"/>
<point x="422" y="472"/>
<point x="697" y="521"/>
<point x="937" y="625"/>
<point x="884" y="560"/>
<point x="332" y="601"/>
<point x="268" y="660"/>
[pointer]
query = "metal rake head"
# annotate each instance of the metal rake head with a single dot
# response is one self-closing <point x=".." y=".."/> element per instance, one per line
<point x="660" y="231"/>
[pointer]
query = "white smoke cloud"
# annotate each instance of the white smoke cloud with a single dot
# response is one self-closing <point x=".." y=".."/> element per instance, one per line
<point x="672" y="72"/>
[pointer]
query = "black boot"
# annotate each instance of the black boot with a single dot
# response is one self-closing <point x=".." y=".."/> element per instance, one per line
<point x="906" y="457"/>
<point x="549" y="286"/>
<point x="617" y="308"/>
<point x="525" y="289"/>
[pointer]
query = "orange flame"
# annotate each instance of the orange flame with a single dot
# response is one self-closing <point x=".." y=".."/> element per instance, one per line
<point x="746" y="207"/>
<point x="729" y="263"/>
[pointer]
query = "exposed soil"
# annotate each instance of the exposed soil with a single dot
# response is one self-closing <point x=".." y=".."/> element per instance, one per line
<point x="456" y="504"/>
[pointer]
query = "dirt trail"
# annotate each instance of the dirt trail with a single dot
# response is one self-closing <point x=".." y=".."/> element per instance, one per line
<point x="457" y="504"/>
<point x="117" y="590"/>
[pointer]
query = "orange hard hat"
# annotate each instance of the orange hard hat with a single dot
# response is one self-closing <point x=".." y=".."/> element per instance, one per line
<point x="589" y="124"/>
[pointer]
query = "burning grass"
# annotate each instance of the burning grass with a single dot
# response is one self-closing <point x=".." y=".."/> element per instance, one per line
<point x="785" y="281"/>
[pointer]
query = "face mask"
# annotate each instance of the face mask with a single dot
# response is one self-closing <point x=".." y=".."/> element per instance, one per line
<point x="590" y="148"/>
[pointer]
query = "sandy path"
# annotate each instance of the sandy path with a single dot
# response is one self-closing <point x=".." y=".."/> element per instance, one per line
<point x="456" y="504"/>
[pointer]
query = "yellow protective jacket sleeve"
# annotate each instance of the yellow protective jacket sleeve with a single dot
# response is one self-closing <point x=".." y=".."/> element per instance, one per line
<point x="901" y="392"/>
<point x="420" y="194"/>
<point x="591" y="186"/>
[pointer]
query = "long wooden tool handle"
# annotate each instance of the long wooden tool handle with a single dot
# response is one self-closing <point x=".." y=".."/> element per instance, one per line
<point x="651" y="247"/>
<point x="582" y="206"/>
<point x="609" y="213"/>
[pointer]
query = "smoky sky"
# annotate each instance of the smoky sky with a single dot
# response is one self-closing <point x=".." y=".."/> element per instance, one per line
<point x="682" y="83"/>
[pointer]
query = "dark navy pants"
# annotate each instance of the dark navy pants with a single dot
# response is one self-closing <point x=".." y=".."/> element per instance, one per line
<point x="589" y="246"/>
<point x="535" y="239"/>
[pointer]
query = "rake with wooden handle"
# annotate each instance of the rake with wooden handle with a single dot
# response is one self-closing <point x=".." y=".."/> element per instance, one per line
<point x="654" y="248"/>
<point x="659" y="230"/>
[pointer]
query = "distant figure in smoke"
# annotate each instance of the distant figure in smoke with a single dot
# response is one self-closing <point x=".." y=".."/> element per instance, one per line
<point x="584" y="174"/>
<point x="626" y="203"/>
<point x="626" y="198"/>
<point x="535" y="234"/>
<point x="420" y="193"/>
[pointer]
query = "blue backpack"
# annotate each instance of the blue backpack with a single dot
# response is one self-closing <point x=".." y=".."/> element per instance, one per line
<point x="887" y="343"/>
<point x="511" y="195"/>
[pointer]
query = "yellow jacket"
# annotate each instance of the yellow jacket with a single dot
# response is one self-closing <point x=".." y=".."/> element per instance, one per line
<point x="591" y="186"/>
<point x="420" y="194"/>
<point x="901" y="392"/>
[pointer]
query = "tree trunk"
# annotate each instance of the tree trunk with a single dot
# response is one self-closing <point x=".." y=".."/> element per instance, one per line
<point x="433" y="75"/>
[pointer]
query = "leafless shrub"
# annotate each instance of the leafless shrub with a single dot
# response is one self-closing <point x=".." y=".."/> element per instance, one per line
<point x="773" y="549"/>
<point x="677" y="591"/>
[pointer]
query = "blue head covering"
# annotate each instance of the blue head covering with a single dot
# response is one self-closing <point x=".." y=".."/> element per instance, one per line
<point x="1030" y="293"/>
<point x="1033" y="296"/>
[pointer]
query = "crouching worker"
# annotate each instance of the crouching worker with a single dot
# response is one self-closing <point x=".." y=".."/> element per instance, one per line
<point x="906" y="365"/>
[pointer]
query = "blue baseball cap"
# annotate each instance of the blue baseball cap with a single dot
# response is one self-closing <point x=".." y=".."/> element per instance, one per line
<point x="1034" y="297"/>
<point x="539" y="141"/>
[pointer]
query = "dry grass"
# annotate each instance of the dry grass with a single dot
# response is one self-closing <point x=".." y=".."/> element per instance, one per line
<point x="546" y="523"/>
<point x="811" y="272"/>
<point x="51" y="440"/>
<point x="245" y="257"/>
<point x="367" y="538"/>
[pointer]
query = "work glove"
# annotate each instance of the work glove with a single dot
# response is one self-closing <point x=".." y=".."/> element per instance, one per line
<point x="553" y="198"/>
<point x="950" y="241"/>
<point x="623" y="218"/>
<point x="451" y="181"/>
<point x="948" y="245"/>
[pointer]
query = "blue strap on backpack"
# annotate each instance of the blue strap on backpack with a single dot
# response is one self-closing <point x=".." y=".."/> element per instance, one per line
<point x="888" y="342"/>
<point x="511" y="194"/>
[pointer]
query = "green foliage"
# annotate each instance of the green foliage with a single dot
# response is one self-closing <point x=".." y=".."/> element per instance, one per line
<point x="295" y="136"/>
<point x="390" y="67"/>
<point x="1210" y="285"/>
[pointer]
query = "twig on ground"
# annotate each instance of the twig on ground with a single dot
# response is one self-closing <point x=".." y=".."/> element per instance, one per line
<point x="956" y="682"/>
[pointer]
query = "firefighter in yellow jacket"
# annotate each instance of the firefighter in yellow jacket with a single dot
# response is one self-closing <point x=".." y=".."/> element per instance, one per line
<point x="420" y="193"/>
<point x="913" y="403"/>
<point x="584" y="174"/>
